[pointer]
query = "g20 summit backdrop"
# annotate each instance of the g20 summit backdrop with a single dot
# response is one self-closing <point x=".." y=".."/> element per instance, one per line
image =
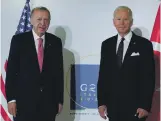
<point x="82" y="25"/>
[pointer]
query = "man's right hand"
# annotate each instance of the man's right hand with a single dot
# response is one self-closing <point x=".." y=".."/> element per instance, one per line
<point x="12" y="108"/>
<point x="102" y="111"/>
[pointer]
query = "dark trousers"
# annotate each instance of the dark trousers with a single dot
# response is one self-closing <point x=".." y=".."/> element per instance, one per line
<point x="40" y="114"/>
<point x="34" y="118"/>
<point x="127" y="119"/>
<point x="120" y="116"/>
<point x="119" y="111"/>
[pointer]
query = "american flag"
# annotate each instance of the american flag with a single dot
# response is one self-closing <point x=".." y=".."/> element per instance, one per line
<point x="24" y="23"/>
<point x="23" y="26"/>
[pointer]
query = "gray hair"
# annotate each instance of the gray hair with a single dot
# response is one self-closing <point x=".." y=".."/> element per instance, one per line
<point x="124" y="8"/>
<point x="41" y="8"/>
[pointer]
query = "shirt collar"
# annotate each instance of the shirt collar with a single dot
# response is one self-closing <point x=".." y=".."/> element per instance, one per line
<point x="127" y="36"/>
<point x="36" y="36"/>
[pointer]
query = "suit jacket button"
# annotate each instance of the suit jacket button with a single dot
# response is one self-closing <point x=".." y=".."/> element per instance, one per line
<point x="41" y="89"/>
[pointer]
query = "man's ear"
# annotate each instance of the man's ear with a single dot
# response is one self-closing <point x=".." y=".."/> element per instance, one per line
<point x="31" y="20"/>
<point x="131" y="22"/>
<point x="113" y="21"/>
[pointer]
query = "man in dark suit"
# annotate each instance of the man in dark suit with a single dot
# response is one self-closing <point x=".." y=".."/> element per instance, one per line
<point x="127" y="74"/>
<point x="34" y="77"/>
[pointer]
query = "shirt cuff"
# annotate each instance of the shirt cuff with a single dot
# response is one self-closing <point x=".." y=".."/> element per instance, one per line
<point x="103" y="106"/>
<point x="12" y="101"/>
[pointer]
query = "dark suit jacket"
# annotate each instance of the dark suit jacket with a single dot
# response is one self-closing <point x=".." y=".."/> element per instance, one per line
<point x="25" y="83"/>
<point x="131" y="86"/>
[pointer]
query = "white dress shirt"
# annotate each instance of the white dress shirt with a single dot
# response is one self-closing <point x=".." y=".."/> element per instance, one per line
<point x="36" y="37"/>
<point x="126" y="43"/>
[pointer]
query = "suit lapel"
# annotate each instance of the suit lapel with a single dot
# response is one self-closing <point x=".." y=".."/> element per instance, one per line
<point x="114" y="44"/>
<point x="47" y="41"/>
<point x="130" y="47"/>
<point x="32" y="50"/>
<point x="112" y="49"/>
<point x="46" y="44"/>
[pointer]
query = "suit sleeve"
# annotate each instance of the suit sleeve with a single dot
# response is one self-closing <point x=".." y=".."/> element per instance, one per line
<point x="101" y="96"/>
<point x="60" y="74"/>
<point x="147" y="74"/>
<point x="12" y="70"/>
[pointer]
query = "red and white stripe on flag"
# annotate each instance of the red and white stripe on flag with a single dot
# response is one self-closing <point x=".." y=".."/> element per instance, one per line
<point x="3" y="106"/>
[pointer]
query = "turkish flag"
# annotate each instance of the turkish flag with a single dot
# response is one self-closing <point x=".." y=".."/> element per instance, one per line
<point x="155" y="39"/>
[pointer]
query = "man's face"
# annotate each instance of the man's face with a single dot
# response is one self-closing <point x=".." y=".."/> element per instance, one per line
<point x="122" y="21"/>
<point x="40" y="21"/>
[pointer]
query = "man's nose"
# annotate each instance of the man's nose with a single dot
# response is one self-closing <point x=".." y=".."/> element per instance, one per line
<point x="42" y="22"/>
<point x="122" y="21"/>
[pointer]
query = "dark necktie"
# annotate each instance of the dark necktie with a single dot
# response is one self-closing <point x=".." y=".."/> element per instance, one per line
<point x="120" y="52"/>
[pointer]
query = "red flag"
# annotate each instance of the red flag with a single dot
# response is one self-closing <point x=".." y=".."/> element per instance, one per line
<point x="155" y="39"/>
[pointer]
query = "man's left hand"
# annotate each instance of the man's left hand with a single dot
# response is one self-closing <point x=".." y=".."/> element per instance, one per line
<point x="142" y="113"/>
